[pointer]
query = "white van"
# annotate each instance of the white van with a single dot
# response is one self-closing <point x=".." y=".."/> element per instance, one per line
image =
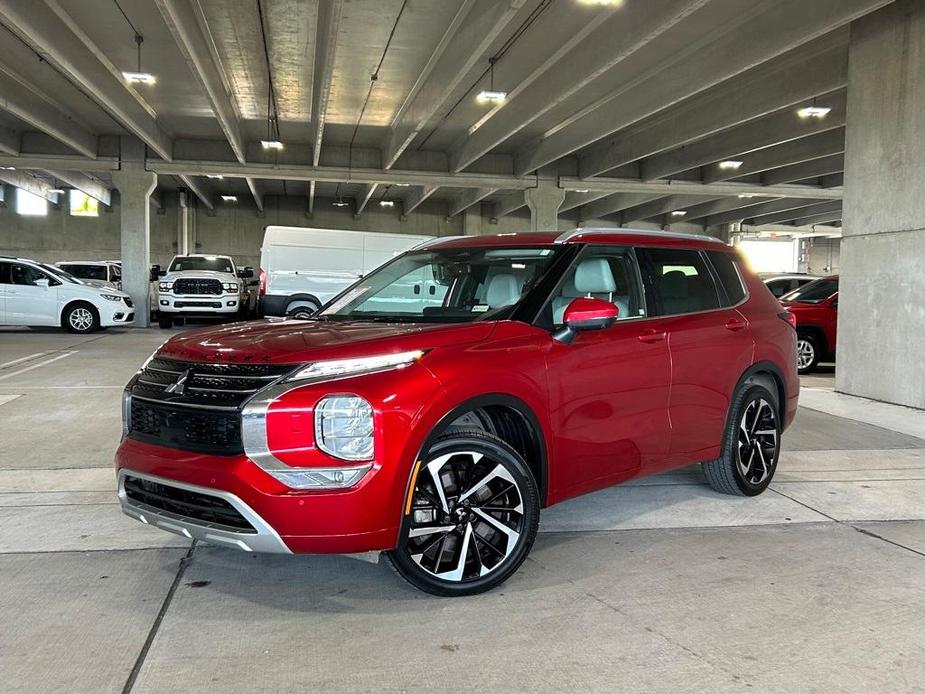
<point x="302" y="268"/>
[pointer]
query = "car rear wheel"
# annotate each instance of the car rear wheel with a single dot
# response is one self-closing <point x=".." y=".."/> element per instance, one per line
<point x="302" y="312"/>
<point x="81" y="318"/>
<point x="751" y="445"/>
<point x="807" y="353"/>
<point x="472" y="516"/>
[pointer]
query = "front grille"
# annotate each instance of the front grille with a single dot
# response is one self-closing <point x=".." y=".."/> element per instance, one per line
<point x="189" y="285"/>
<point x="196" y="506"/>
<point x="218" y="433"/>
<point x="195" y="406"/>
<point x="197" y="304"/>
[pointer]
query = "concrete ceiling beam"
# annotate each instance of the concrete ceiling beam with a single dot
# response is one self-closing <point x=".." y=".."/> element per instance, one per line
<point x="759" y="33"/>
<point x="19" y="100"/>
<point x="799" y="212"/>
<point x="54" y="35"/>
<point x="470" y="35"/>
<point x="661" y="206"/>
<point x="468" y="199"/>
<point x="9" y="141"/>
<point x="808" y="169"/>
<point x="415" y="196"/>
<point x="198" y="190"/>
<point x="83" y="183"/>
<point x="610" y="36"/>
<point x="328" y="24"/>
<point x="756" y="211"/>
<point x="613" y="203"/>
<point x="364" y="198"/>
<point x="26" y="181"/>
<point x="783" y="83"/>
<point x="769" y="159"/>
<point x="253" y="185"/>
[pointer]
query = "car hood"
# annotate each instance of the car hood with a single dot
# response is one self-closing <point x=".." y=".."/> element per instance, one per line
<point x="293" y="341"/>
<point x="199" y="274"/>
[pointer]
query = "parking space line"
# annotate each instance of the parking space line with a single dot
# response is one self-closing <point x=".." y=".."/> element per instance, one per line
<point x="46" y="362"/>
<point x="22" y="359"/>
<point x="8" y="397"/>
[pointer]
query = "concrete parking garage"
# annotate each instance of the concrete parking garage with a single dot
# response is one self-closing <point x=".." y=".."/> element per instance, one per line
<point x="778" y="123"/>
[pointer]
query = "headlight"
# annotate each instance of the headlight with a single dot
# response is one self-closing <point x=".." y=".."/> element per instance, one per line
<point x="348" y="367"/>
<point x="230" y="286"/>
<point x="344" y="427"/>
<point x="111" y="297"/>
<point x="165" y="286"/>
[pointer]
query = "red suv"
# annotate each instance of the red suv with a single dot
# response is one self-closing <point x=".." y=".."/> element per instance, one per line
<point x="815" y="309"/>
<point x="432" y="409"/>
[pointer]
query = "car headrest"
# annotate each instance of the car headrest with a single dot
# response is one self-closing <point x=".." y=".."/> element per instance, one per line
<point x="673" y="284"/>
<point x="593" y="276"/>
<point x="503" y="290"/>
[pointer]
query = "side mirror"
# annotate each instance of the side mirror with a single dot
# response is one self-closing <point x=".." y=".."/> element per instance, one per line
<point x="155" y="273"/>
<point x="42" y="282"/>
<point x="586" y="314"/>
<point x="247" y="273"/>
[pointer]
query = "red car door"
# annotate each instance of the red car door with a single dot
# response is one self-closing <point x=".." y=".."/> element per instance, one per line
<point x="608" y="389"/>
<point x="710" y="346"/>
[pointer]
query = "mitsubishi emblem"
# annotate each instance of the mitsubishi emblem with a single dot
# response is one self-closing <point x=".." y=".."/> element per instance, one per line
<point x="179" y="387"/>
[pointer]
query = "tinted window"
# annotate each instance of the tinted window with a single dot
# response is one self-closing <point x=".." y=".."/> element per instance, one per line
<point x="601" y="273"/>
<point x="26" y="275"/>
<point x="87" y="272"/>
<point x="682" y="281"/>
<point x="205" y="262"/>
<point x="4" y="273"/>
<point x="780" y="287"/>
<point x="814" y="292"/>
<point x="725" y="266"/>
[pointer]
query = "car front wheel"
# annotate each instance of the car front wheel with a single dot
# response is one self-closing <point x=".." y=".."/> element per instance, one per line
<point x="751" y="445"/>
<point x="472" y="517"/>
<point x="81" y="318"/>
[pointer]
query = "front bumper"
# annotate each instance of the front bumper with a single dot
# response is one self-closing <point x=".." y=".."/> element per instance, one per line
<point x="262" y="539"/>
<point x="116" y="313"/>
<point x="198" y="303"/>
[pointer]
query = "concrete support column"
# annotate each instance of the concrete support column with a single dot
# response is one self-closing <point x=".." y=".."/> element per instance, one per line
<point x="184" y="225"/>
<point x="135" y="186"/>
<point x="545" y="200"/>
<point x="881" y="302"/>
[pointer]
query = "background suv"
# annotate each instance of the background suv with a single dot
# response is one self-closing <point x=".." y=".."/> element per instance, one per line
<point x="35" y="294"/>
<point x="815" y="309"/>
<point x="432" y="408"/>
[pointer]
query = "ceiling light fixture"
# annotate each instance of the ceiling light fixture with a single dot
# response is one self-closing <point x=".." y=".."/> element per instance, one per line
<point x="582" y="190"/>
<point x="271" y="144"/>
<point x="814" y="112"/>
<point x="340" y="202"/>
<point x="216" y="176"/>
<point x="386" y="203"/>
<point x="730" y="165"/>
<point x="679" y="213"/>
<point x="273" y="140"/>
<point x="7" y="168"/>
<point x="57" y="191"/>
<point x="229" y="198"/>
<point x="491" y="94"/>
<point x="139" y="76"/>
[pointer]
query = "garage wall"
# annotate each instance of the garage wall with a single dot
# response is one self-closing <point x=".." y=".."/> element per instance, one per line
<point x="823" y="256"/>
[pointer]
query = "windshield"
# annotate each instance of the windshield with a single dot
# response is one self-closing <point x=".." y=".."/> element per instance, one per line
<point x="59" y="273"/>
<point x="444" y="286"/>
<point x="200" y="262"/>
<point x="814" y="292"/>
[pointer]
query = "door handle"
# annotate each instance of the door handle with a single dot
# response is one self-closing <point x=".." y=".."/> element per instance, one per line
<point x="652" y="335"/>
<point x="734" y="324"/>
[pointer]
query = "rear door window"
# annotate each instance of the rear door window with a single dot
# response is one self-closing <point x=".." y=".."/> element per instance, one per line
<point x="729" y="275"/>
<point x="681" y="280"/>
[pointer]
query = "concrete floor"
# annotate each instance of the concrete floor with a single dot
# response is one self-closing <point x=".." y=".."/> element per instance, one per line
<point x="659" y="585"/>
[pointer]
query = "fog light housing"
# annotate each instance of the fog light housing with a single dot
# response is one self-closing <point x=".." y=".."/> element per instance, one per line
<point x="322" y="478"/>
<point x="344" y="427"/>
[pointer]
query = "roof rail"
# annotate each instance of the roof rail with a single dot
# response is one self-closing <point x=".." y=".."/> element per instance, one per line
<point x="436" y="239"/>
<point x="572" y="233"/>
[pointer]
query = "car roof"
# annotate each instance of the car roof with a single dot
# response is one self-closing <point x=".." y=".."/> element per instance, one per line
<point x="635" y="237"/>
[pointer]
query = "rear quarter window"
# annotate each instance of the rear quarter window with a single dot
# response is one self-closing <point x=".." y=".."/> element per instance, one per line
<point x="729" y="277"/>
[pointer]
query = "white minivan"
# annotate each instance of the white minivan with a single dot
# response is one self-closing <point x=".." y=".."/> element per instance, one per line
<point x="36" y="294"/>
<point x="302" y="268"/>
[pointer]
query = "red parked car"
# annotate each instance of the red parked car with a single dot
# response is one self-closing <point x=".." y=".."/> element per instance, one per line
<point x="815" y="308"/>
<point x="432" y="409"/>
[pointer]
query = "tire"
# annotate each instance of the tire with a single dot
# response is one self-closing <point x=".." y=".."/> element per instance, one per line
<point x="808" y="353"/>
<point x="302" y="312"/>
<point x="751" y="444"/>
<point x="164" y="320"/>
<point x="474" y="549"/>
<point x="81" y="318"/>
